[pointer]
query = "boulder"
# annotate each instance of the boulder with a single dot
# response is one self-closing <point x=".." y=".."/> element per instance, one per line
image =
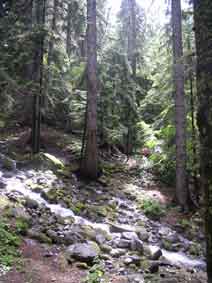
<point x="117" y="252"/>
<point x="85" y="252"/>
<point x="133" y="260"/>
<point x="156" y="254"/>
<point x="31" y="203"/>
<point x="143" y="234"/>
<point x="154" y="267"/>
<point x="115" y="228"/>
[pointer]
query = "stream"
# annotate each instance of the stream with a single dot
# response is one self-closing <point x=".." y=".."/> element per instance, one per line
<point x="16" y="183"/>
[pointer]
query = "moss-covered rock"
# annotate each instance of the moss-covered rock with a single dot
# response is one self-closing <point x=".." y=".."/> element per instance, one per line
<point x="55" y="195"/>
<point x="40" y="236"/>
<point x="7" y="163"/>
<point x="53" y="161"/>
<point x="106" y="248"/>
<point x="166" y="244"/>
<point x="4" y="202"/>
<point x="85" y="252"/>
<point x="48" y="161"/>
<point x="88" y="232"/>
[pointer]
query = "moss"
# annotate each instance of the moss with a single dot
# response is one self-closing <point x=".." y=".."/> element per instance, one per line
<point x="8" y="164"/>
<point x="77" y="207"/>
<point x="36" y="187"/>
<point x="54" y="160"/>
<point x="106" y="248"/>
<point x="144" y="263"/>
<point x="111" y="168"/>
<point x="167" y="245"/>
<point x="185" y="224"/>
<point x="65" y="172"/>
<point x="102" y="211"/>
<point x="88" y="232"/>
<point x="57" y="195"/>
<point x="195" y="249"/>
<point x="46" y="160"/>
<point x="4" y="202"/>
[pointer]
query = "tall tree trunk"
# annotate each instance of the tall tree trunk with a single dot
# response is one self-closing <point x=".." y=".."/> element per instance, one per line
<point x="132" y="60"/>
<point x="37" y="75"/>
<point x="50" y="53"/>
<point x="180" y="114"/>
<point x="192" y="109"/>
<point x="132" y="37"/>
<point x="90" y="161"/>
<point x="203" y="31"/>
<point x="1" y="9"/>
<point x="68" y="32"/>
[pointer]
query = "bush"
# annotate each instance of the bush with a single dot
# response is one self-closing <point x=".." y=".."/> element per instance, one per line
<point x="164" y="166"/>
<point x="152" y="208"/>
<point x="96" y="273"/>
<point x="9" y="242"/>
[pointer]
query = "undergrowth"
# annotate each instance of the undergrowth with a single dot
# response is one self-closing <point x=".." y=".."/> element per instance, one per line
<point x="96" y="274"/>
<point x="9" y="243"/>
<point x="152" y="208"/>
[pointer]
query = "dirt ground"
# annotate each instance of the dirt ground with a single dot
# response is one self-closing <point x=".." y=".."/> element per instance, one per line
<point x="42" y="265"/>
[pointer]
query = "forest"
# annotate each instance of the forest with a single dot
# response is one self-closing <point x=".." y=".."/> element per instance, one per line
<point x="105" y="141"/>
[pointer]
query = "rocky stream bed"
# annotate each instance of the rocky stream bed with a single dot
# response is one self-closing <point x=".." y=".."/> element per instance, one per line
<point x="101" y="220"/>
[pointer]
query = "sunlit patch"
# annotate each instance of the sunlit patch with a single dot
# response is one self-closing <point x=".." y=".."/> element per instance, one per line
<point x="156" y="195"/>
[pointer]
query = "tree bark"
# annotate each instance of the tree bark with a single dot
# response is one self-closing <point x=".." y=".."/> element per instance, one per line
<point x="203" y="32"/>
<point x="68" y="32"/>
<point x="90" y="161"/>
<point x="37" y="75"/>
<point x="50" y="53"/>
<point x="132" y="60"/>
<point x="180" y="113"/>
<point x="132" y="37"/>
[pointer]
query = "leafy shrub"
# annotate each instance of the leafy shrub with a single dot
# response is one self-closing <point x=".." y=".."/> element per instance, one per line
<point x="21" y="226"/>
<point x="9" y="242"/>
<point x="152" y="208"/>
<point x="96" y="273"/>
<point x="164" y="166"/>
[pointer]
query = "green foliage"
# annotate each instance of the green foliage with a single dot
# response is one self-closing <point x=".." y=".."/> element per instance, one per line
<point x="146" y="135"/>
<point x="164" y="167"/>
<point x="96" y="273"/>
<point x="152" y="208"/>
<point x="185" y="224"/>
<point x="9" y="243"/>
<point x="78" y="207"/>
<point x="21" y="226"/>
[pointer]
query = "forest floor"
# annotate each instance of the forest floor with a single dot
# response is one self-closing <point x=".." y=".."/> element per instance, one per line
<point x="122" y="228"/>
